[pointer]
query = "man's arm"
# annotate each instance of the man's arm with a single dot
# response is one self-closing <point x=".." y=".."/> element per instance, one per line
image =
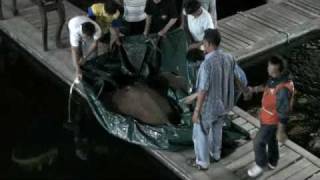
<point x="283" y="105"/>
<point x="189" y="99"/>
<point x="196" y="45"/>
<point x="75" y="52"/>
<point x="168" y="26"/>
<point x="201" y="95"/>
<point x="147" y="25"/>
<point x="92" y="49"/>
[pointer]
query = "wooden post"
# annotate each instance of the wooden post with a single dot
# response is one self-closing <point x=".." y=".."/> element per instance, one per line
<point x="44" y="22"/>
<point x="14" y="7"/>
<point x="62" y="19"/>
<point x="1" y="13"/>
<point x="46" y="6"/>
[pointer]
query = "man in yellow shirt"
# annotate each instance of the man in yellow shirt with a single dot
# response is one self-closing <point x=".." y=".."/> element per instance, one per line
<point x="107" y="16"/>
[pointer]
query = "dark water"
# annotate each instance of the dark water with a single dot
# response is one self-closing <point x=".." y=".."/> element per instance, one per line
<point x="303" y="64"/>
<point x="32" y="111"/>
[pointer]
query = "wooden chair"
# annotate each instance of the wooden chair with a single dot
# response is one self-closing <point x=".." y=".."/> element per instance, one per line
<point x="14" y="8"/>
<point x="46" y="6"/>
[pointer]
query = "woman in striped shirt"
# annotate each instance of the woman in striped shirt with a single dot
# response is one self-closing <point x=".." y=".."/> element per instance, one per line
<point x="134" y="15"/>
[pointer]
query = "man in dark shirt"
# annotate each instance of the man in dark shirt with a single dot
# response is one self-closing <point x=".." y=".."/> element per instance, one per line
<point x="162" y="16"/>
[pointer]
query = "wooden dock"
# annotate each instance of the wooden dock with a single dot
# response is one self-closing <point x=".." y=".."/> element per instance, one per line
<point x="245" y="34"/>
<point x="295" y="162"/>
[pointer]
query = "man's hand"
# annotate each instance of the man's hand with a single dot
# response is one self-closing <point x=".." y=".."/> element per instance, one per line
<point x="281" y="133"/>
<point x="190" y="99"/>
<point x="145" y="34"/>
<point x="82" y="60"/>
<point x="247" y="95"/>
<point x="162" y="33"/>
<point x="193" y="46"/>
<point x="195" y="117"/>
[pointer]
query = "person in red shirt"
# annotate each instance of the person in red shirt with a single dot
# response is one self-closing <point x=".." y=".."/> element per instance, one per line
<point x="276" y="104"/>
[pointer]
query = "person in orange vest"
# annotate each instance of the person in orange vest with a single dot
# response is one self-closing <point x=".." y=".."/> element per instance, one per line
<point x="277" y="102"/>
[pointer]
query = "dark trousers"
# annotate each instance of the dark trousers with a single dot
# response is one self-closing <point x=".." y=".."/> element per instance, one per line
<point x="134" y="28"/>
<point x="266" y="146"/>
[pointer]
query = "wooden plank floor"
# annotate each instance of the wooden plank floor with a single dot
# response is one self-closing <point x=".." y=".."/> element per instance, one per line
<point x="244" y="35"/>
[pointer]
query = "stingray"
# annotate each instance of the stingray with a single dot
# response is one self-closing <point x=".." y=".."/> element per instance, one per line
<point x="143" y="103"/>
<point x="143" y="97"/>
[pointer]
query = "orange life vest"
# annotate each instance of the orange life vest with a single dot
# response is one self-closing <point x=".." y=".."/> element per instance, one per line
<point x="268" y="113"/>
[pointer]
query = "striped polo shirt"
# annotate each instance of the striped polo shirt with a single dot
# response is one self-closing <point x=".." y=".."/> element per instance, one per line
<point x="134" y="10"/>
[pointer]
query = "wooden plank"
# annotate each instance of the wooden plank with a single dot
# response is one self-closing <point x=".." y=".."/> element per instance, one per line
<point x="240" y="26"/>
<point x="236" y="35"/>
<point x="297" y="10"/>
<point x="242" y="162"/>
<point x="251" y="38"/>
<point x="247" y="126"/>
<point x="314" y="2"/>
<point x="284" y="17"/>
<point x="314" y="159"/>
<point x="307" y="5"/>
<point x="305" y="173"/>
<point x="283" y="9"/>
<point x="246" y="116"/>
<point x="235" y="40"/>
<point x="315" y="177"/>
<point x="291" y="170"/>
<point x="267" y="22"/>
<point x="226" y="43"/>
<point x="302" y="10"/>
<point x="29" y="38"/>
<point x="225" y="47"/>
<point x="288" y="143"/>
<point x="188" y="153"/>
<point x="230" y="41"/>
<point x="253" y="132"/>
<point x="239" y="152"/>
<point x="170" y="163"/>
<point x="286" y="157"/>
<point x="241" y="172"/>
<point x="200" y="175"/>
<point x="273" y="20"/>
<point x="262" y="29"/>
<point x="239" y="121"/>
<point x="221" y="173"/>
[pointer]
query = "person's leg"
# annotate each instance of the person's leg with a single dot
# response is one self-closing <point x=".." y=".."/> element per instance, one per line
<point x="215" y="138"/>
<point x="213" y="12"/>
<point x="200" y="140"/>
<point x="273" y="148"/>
<point x="205" y="4"/>
<point x="261" y="140"/>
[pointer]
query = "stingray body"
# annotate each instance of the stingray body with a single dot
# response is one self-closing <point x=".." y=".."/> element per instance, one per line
<point x="144" y="104"/>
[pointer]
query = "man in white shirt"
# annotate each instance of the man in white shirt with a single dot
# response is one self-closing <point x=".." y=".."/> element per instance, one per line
<point x="84" y="34"/>
<point x="210" y="6"/>
<point x="198" y="20"/>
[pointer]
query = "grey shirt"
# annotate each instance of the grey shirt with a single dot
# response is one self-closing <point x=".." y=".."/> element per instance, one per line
<point x="216" y="78"/>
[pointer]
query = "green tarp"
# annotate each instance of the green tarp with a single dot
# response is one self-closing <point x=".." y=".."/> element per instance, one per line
<point x="139" y="50"/>
<point x="137" y="54"/>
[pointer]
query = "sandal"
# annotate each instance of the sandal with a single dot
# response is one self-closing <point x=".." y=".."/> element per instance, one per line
<point x="192" y="163"/>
